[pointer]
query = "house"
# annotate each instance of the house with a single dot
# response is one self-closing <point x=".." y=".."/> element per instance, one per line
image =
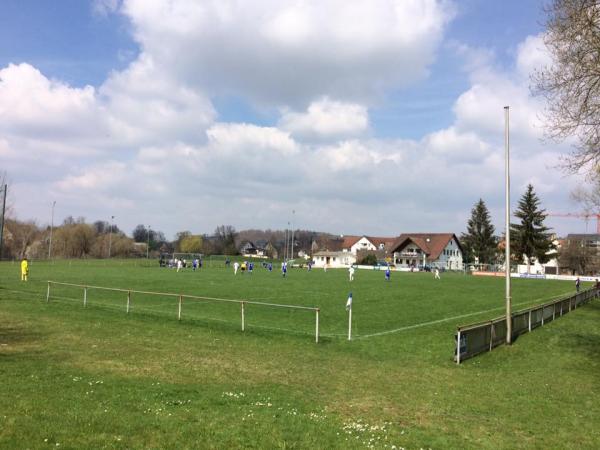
<point x="333" y="259"/>
<point x="248" y="249"/>
<point x="355" y="244"/>
<point x="441" y="250"/>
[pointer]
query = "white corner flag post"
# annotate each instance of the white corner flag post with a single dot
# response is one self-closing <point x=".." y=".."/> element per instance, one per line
<point x="349" y="309"/>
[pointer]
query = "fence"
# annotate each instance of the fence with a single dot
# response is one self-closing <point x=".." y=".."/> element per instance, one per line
<point x="471" y="340"/>
<point x="128" y="301"/>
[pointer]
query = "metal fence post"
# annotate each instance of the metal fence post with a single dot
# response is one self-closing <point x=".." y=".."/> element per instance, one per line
<point x="317" y="326"/>
<point x="84" y="297"/>
<point x="458" y="347"/>
<point x="530" y="320"/>
<point x="48" y="293"/>
<point x="179" y="310"/>
<point x="128" y="300"/>
<point x="243" y="318"/>
<point x="542" y="316"/>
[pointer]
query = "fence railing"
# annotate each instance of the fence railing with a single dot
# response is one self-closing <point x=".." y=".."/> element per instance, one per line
<point x="473" y="339"/>
<point x="181" y="297"/>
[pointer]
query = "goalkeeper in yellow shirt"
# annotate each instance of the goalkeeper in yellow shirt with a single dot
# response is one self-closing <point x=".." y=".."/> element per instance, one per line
<point x="24" y="269"/>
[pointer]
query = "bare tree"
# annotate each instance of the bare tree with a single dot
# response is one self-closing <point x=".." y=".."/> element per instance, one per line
<point x="571" y="85"/>
<point x="20" y="237"/>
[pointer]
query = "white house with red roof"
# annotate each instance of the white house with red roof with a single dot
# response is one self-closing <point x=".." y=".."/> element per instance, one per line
<point x="354" y="244"/>
<point x="441" y="250"/>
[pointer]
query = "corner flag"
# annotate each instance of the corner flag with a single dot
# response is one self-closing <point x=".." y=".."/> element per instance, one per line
<point x="349" y="302"/>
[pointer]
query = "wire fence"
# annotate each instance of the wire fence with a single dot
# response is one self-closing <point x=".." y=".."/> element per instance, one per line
<point x="474" y="339"/>
<point x="211" y="308"/>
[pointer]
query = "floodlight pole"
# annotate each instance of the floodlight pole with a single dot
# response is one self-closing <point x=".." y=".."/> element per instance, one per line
<point x="148" y="244"/>
<point x="507" y="231"/>
<point x="292" y="241"/>
<point x="5" y="187"/>
<point x="287" y="245"/>
<point x="110" y="235"/>
<point x="51" y="230"/>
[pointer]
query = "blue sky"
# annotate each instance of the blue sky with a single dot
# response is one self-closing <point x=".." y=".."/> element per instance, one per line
<point x="280" y="105"/>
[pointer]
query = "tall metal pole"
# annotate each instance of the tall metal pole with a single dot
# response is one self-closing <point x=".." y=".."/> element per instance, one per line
<point x="292" y="243"/>
<point x="285" y="247"/>
<point x="110" y="235"/>
<point x="148" y="244"/>
<point x="51" y="230"/>
<point x="507" y="231"/>
<point x="5" y="187"/>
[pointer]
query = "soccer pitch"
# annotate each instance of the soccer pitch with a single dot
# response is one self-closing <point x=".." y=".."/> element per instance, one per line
<point x="100" y="377"/>
<point x="409" y="300"/>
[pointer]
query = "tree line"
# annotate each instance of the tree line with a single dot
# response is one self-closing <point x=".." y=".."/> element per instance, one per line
<point x="530" y="239"/>
<point x="75" y="238"/>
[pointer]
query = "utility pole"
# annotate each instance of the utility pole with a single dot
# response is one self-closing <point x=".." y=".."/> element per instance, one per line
<point x="293" y="216"/>
<point x="51" y="230"/>
<point x="148" y="244"/>
<point x="287" y="244"/>
<point x="5" y="187"/>
<point x="507" y="232"/>
<point x="110" y="235"/>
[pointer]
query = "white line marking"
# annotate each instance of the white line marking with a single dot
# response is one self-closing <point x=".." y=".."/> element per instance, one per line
<point x="447" y="319"/>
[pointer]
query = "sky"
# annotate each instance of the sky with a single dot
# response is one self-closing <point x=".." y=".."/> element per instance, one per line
<point x="375" y="117"/>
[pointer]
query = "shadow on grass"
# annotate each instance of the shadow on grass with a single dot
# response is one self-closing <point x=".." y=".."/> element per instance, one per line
<point x="14" y="340"/>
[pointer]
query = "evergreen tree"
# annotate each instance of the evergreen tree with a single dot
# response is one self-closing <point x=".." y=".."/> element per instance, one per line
<point x="530" y="238"/>
<point x="479" y="241"/>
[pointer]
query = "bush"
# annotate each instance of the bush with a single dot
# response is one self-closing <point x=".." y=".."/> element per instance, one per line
<point x="369" y="260"/>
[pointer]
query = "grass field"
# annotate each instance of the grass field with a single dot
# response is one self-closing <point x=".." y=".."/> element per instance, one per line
<point x="96" y="377"/>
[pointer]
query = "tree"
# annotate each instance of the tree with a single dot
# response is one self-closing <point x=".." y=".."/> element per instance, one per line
<point x="140" y="233"/>
<point x="191" y="244"/>
<point x="578" y="257"/>
<point x="571" y="85"/>
<point x="20" y="236"/>
<point x="225" y="240"/>
<point x="479" y="241"/>
<point x="530" y="238"/>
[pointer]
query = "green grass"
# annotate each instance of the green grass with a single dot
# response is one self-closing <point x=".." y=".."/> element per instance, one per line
<point x="97" y="377"/>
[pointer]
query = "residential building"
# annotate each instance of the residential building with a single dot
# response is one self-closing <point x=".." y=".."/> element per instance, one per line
<point x="441" y="250"/>
<point x="333" y="259"/>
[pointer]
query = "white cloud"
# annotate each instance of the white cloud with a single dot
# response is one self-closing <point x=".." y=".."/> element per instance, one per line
<point x="326" y="119"/>
<point x="147" y="145"/>
<point x="532" y="55"/>
<point x="233" y="138"/>
<point x="148" y="106"/>
<point x="33" y="105"/>
<point x="284" y="53"/>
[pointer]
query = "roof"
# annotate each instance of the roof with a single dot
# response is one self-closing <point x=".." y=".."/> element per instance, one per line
<point x="594" y="237"/>
<point x="329" y="253"/>
<point x="349" y="241"/>
<point x="432" y="244"/>
<point x="387" y="241"/>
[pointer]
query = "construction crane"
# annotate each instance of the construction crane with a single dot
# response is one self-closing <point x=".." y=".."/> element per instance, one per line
<point x="585" y="216"/>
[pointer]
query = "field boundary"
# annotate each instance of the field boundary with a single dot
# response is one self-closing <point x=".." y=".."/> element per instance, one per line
<point x="474" y="339"/>
<point x="181" y="297"/>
